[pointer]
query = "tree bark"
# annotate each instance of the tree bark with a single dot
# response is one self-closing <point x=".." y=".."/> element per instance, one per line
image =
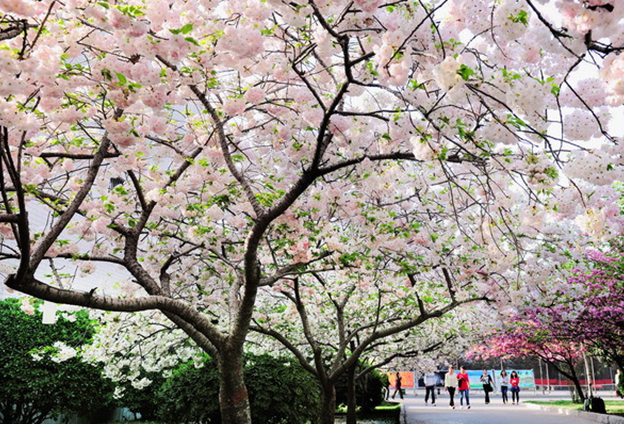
<point x="571" y="376"/>
<point x="328" y="407"/>
<point x="619" y="387"/>
<point x="577" y="383"/>
<point x="351" y="402"/>
<point x="233" y="396"/>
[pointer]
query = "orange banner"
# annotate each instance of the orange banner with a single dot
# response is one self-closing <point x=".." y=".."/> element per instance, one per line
<point x="407" y="379"/>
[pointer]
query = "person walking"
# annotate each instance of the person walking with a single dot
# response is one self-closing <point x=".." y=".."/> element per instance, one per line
<point x="397" y="386"/>
<point x="618" y="381"/>
<point x="488" y="385"/>
<point x="450" y="385"/>
<point x="504" y="385"/>
<point x="430" y="382"/>
<point x="514" y="380"/>
<point x="463" y="384"/>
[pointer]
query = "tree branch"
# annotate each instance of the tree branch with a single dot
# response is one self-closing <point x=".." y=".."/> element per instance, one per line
<point x="44" y="291"/>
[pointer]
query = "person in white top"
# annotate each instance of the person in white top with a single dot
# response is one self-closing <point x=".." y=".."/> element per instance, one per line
<point x="504" y="385"/>
<point x="450" y="385"/>
<point x="430" y="382"/>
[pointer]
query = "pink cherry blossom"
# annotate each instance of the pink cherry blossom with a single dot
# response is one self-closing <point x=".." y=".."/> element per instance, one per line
<point x="234" y="107"/>
<point x="255" y="95"/>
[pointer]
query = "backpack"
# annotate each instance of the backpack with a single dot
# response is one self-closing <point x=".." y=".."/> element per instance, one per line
<point x="595" y="404"/>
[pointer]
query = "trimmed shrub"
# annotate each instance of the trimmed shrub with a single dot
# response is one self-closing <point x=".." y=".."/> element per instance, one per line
<point x="369" y="390"/>
<point x="280" y="391"/>
<point x="191" y="394"/>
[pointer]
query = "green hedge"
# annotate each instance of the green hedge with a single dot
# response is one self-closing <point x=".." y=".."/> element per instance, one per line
<point x="369" y="390"/>
<point x="31" y="391"/>
<point x="280" y="391"/>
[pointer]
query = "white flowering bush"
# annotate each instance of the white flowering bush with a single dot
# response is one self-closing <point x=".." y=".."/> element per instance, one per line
<point x="40" y="360"/>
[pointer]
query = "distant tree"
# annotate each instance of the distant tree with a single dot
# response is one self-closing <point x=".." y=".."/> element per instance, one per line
<point x="38" y="360"/>
<point x="580" y="313"/>
<point x="531" y="339"/>
<point x="595" y="317"/>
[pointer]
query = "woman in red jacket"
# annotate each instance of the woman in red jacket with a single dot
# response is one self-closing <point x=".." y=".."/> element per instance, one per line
<point x="463" y="385"/>
<point x="514" y="380"/>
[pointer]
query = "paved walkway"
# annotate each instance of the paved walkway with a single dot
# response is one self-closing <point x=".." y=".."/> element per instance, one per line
<point x="416" y="412"/>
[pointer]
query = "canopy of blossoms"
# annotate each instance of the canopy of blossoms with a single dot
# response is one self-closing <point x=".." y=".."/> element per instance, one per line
<point x="212" y="151"/>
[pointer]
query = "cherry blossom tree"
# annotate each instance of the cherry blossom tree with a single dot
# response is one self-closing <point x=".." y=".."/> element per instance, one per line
<point x="201" y="149"/>
<point x="133" y="347"/>
<point x="330" y="326"/>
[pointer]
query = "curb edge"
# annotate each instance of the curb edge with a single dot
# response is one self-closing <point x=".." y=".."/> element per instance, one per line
<point x="592" y="416"/>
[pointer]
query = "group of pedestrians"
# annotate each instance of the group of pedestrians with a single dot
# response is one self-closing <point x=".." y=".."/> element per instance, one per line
<point x="461" y="383"/>
<point x="430" y="384"/>
<point x="509" y="383"/>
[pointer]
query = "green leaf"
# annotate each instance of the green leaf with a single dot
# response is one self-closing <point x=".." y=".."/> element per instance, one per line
<point x="192" y="40"/>
<point x="521" y="18"/>
<point x="415" y="85"/>
<point x="122" y="79"/>
<point x="465" y="72"/>
<point x="184" y="30"/>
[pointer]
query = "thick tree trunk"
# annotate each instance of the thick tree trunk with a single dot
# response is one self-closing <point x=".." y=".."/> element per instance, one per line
<point x="579" y="390"/>
<point x="573" y="378"/>
<point x="233" y="396"/>
<point x="577" y="383"/>
<point x="619" y="387"/>
<point x="328" y="408"/>
<point x="351" y="403"/>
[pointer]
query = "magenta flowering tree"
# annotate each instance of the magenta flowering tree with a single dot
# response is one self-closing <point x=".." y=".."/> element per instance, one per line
<point x="594" y="317"/>
<point x="529" y="338"/>
<point x="583" y="314"/>
<point x="208" y="150"/>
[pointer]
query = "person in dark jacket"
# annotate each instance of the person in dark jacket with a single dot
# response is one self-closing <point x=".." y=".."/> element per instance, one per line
<point x="488" y="385"/>
<point x="397" y="386"/>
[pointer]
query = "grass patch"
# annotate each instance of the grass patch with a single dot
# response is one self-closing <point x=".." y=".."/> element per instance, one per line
<point x="386" y="413"/>
<point x="384" y="407"/>
<point x="615" y="407"/>
<point x="389" y="406"/>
